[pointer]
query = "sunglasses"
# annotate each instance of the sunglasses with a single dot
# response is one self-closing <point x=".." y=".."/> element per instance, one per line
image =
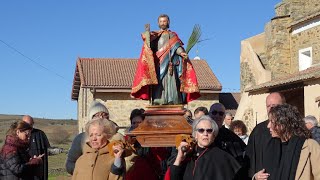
<point x="201" y="130"/>
<point x="216" y="112"/>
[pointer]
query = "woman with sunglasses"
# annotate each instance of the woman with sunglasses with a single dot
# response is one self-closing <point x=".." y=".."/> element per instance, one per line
<point x="206" y="160"/>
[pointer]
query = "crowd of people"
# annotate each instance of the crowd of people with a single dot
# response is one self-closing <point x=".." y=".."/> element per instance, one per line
<point x="282" y="147"/>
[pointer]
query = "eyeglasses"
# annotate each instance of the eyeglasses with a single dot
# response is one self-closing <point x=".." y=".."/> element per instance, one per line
<point x="221" y="113"/>
<point x="201" y="130"/>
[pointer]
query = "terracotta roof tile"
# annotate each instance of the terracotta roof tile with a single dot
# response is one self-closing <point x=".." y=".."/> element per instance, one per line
<point x="205" y="76"/>
<point x="300" y="76"/>
<point x="118" y="73"/>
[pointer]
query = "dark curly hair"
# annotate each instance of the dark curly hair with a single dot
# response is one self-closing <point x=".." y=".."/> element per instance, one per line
<point x="288" y="122"/>
<point x="239" y="124"/>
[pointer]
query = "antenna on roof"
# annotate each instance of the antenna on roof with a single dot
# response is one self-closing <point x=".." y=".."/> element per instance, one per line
<point x="197" y="54"/>
<point x="197" y="50"/>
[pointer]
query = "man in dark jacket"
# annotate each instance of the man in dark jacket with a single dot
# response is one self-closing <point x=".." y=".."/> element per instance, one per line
<point x="226" y="139"/>
<point x="263" y="150"/>
<point x="39" y="145"/>
<point x="229" y="141"/>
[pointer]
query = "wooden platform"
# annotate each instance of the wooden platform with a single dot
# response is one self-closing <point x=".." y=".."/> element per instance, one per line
<point x="160" y="126"/>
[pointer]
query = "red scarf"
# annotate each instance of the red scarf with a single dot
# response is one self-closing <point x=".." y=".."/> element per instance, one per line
<point x="12" y="145"/>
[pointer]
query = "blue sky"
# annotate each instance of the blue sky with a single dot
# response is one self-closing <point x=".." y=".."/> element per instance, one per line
<point x="52" y="34"/>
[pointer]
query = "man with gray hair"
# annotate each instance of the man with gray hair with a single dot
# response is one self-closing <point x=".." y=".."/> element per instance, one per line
<point x="227" y="120"/>
<point x="312" y="125"/>
<point x="227" y="140"/>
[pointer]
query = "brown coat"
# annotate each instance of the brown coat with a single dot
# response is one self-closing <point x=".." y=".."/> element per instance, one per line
<point x="95" y="165"/>
<point x="308" y="166"/>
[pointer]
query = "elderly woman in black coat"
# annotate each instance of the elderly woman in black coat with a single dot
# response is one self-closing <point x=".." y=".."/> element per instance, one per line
<point x="206" y="161"/>
<point x="15" y="162"/>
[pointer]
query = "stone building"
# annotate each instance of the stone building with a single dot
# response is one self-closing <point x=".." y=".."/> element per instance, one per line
<point x="284" y="58"/>
<point x="110" y="80"/>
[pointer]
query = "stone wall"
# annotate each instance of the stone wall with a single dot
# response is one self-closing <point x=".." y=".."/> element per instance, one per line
<point x="278" y="46"/>
<point x="252" y="69"/>
<point x="282" y="9"/>
<point x="206" y="100"/>
<point x="252" y="109"/>
<point x="282" y="48"/>
<point x="248" y="119"/>
<point x="297" y="9"/>
<point x="246" y="76"/>
<point x="305" y="39"/>
<point x="84" y="100"/>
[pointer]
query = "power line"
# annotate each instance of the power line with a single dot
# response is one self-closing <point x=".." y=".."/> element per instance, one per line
<point x="33" y="61"/>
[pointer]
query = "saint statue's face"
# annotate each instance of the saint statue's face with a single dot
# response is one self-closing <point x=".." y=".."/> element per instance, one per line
<point x="163" y="23"/>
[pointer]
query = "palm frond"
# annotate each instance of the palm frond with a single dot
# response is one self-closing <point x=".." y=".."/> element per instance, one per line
<point x="194" y="37"/>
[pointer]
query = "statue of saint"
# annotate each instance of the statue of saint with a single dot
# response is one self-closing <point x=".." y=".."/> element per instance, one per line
<point x="164" y="73"/>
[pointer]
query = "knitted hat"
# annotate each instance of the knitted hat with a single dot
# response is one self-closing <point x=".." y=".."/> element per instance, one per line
<point x="95" y="108"/>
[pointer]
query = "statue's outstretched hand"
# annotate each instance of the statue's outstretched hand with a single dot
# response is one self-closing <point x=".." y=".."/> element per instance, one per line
<point x="184" y="55"/>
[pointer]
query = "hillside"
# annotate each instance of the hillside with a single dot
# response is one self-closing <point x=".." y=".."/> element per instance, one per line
<point x="54" y="128"/>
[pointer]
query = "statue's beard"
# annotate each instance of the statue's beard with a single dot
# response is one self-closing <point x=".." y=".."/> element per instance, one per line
<point x="164" y="27"/>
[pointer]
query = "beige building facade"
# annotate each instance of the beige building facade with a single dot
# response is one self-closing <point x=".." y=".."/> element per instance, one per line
<point x="284" y="58"/>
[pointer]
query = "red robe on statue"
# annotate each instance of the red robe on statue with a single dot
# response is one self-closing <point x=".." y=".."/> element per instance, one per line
<point x="146" y="76"/>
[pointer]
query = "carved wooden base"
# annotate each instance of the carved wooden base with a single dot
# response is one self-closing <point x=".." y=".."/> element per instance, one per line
<point x="160" y="126"/>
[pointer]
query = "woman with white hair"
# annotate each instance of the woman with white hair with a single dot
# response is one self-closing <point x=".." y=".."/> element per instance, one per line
<point x="206" y="161"/>
<point x="97" y="162"/>
<point x="96" y="110"/>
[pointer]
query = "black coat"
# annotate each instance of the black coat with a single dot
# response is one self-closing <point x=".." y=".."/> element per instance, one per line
<point x="210" y="164"/>
<point x="263" y="151"/>
<point x="14" y="161"/>
<point x="231" y="143"/>
<point x="39" y="145"/>
<point x="15" y="167"/>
